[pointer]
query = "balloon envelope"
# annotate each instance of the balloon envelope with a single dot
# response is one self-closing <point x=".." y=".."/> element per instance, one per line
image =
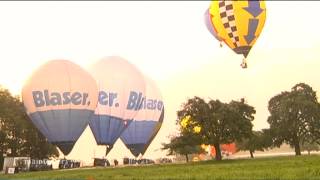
<point x="138" y="136"/>
<point x="209" y="25"/>
<point x="60" y="98"/>
<point x="238" y="23"/>
<point x="121" y="88"/>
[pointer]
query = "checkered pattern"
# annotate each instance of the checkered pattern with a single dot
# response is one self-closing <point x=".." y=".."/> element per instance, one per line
<point x="228" y="20"/>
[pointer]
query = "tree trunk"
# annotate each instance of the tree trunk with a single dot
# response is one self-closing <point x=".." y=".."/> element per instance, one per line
<point x="297" y="148"/>
<point x="309" y="152"/>
<point x="187" y="159"/>
<point x="13" y="151"/>
<point x="251" y="154"/>
<point x="218" y="152"/>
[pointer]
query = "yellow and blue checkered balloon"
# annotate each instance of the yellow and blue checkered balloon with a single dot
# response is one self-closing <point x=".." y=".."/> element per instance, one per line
<point x="237" y="23"/>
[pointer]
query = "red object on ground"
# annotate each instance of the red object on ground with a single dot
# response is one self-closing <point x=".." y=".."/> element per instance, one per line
<point x="228" y="148"/>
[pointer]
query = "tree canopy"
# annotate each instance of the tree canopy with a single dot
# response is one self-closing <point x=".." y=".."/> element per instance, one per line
<point x="294" y="117"/>
<point x="257" y="141"/>
<point x="185" y="143"/>
<point x="17" y="133"/>
<point x="220" y="123"/>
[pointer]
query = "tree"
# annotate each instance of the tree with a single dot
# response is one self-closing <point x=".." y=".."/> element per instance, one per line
<point x="11" y="122"/>
<point x="257" y="141"/>
<point x="17" y="132"/>
<point x="2" y="146"/>
<point x="184" y="144"/>
<point x="187" y="142"/>
<point x="220" y="123"/>
<point x="3" y="142"/>
<point x="294" y="117"/>
<point x="308" y="146"/>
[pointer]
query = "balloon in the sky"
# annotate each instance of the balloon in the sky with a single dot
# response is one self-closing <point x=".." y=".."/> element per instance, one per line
<point x="60" y="97"/>
<point x="121" y="90"/>
<point x="138" y="136"/>
<point x="210" y="27"/>
<point x="238" y="23"/>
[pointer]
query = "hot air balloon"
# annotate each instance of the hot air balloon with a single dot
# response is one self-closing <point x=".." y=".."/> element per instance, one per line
<point x="121" y="89"/>
<point x="155" y="131"/>
<point x="238" y="23"/>
<point x="140" y="133"/>
<point x="210" y="27"/>
<point x="60" y="97"/>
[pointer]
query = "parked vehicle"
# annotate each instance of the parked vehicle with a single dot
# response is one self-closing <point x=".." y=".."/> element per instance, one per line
<point x="101" y="162"/>
<point x="40" y="165"/>
<point x="67" y="164"/>
<point x="165" y="160"/>
<point x="129" y="161"/>
<point x="22" y="165"/>
<point x="18" y="163"/>
<point x="145" y="161"/>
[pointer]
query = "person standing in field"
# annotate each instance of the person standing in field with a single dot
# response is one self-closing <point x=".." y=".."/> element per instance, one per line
<point x="115" y="162"/>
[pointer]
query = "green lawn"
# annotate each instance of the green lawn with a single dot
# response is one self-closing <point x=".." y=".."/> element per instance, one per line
<point x="275" y="168"/>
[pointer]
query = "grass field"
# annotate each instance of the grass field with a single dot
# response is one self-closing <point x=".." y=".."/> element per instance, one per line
<point x="273" y="168"/>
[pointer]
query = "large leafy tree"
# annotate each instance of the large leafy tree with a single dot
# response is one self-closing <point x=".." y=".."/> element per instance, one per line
<point x="17" y="133"/>
<point x="257" y="141"/>
<point x="220" y="123"/>
<point x="185" y="143"/>
<point x="295" y="117"/>
<point x="11" y="122"/>
<point x="307" y="146"/>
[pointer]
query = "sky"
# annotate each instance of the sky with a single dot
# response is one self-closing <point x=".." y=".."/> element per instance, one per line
<point x="168" y="41"/>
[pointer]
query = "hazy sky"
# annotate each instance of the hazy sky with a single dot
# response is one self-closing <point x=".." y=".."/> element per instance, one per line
<point x="169" y="42"/>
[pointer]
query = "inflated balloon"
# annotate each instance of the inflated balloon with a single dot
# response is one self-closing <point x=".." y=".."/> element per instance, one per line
<point x="238" y="23"/>
<point x="210" y="27"/>
<point x="121" y="90"/>
<point x="60" y="97"/>
<point x="155" y="131"/>
<point x="140" y="133"/>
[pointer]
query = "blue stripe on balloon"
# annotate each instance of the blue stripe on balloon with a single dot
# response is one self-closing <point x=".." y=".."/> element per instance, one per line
<point x="138" y="132"/>
<point x="209" y="25"/>
<point x="107" y="129"/>
<point x="61" y="125"/>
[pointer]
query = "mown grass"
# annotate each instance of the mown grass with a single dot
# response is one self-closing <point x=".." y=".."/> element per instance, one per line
<point x="275" y="168"/>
